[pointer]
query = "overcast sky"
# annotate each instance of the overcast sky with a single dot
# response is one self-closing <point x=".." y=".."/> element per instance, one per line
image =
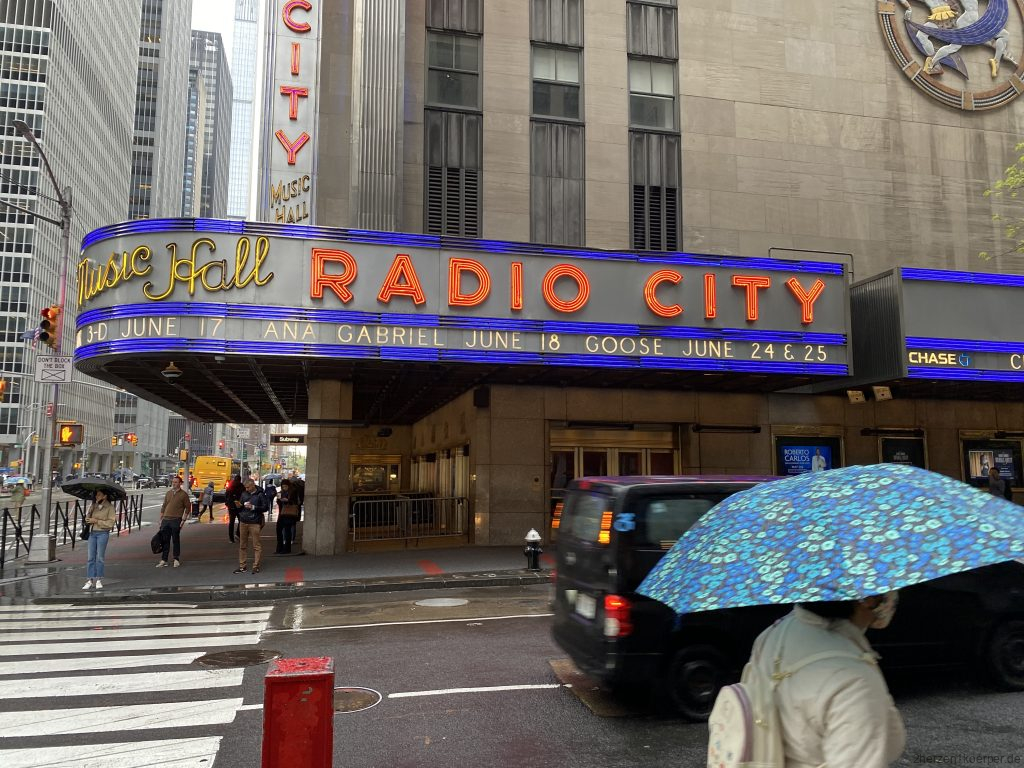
<point x="215" y="16"/>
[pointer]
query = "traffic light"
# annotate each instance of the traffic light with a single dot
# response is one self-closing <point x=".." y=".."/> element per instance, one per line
<point x="220" y="443"/>
<point x="3" y="389"/>
<point x="49" y="325"/>
<point x="131" y="438"/>
<point x="113" y="441"/>
<point x="71" y="434"/>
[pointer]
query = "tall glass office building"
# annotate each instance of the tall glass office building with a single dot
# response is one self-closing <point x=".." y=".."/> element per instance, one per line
<point x="68" y="70"/>
<point x="158" y="152"/>
<point x="208" y="57"/>
<point x="243" y="73"/>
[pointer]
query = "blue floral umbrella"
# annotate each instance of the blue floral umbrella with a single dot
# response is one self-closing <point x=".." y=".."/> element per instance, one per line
<point x="837" y="535"/>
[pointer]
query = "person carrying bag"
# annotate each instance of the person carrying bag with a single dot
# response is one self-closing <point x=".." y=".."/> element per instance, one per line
<point x="288" y="517"/>
<point x="101" y="520"/>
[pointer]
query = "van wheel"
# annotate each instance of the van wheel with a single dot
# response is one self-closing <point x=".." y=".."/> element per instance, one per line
<point x="696" y="673"/>
<point x="1004" y="656"/>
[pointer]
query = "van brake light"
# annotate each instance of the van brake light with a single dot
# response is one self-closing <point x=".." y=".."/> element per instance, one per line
<point x="617" y="616"/>
<point x="604" y="536"/>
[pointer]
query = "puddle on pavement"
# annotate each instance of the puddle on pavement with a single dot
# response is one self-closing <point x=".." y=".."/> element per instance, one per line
<point x="441" y="602"/>
<point x="243" y="658"/>
<point x="353" y="699"/>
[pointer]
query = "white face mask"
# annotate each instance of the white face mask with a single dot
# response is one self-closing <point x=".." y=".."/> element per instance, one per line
<point x="885" y="610"/>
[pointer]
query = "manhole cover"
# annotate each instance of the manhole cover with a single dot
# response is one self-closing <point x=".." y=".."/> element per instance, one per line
<point x="355" y="699"/>
<point x="441" y="602"/>
<point x="246" y="658"/>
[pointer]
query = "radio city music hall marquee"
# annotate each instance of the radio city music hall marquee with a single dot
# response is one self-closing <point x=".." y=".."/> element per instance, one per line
<point x="335" y="293"/>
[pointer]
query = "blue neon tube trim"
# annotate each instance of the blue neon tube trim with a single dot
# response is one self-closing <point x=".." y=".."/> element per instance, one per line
<point x="965" y="345"/>
<point x="209" y="346"/>
<point x="975" y="278"/>
<point x="415" y="240"/>
<point x="963" y="374"/>
<point x="299" y="314"/>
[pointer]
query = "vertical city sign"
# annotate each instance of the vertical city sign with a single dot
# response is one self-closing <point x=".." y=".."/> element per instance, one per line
<point x="288" y="163"/>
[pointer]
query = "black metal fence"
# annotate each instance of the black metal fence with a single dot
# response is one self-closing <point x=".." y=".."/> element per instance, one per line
<point x="407" y="517"/>
<point x="20" y="524"/>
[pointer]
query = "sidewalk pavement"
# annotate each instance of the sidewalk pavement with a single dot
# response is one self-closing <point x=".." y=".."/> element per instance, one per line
<point x="208" y="559"/>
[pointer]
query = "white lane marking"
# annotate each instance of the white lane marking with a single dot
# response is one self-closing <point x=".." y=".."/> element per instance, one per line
<point x="160" y="644"/>
<point x="468" y="620"/>
<point x="113" y="633"/>
<point x="134" y="609"/>
<point x="103" y="685"/>
<point x="129" y="717"/>
<point x="247" y="707"/>
<point x="98" y="662"/>
<point x="169" y="753"/>
<point x="108" y="622"/>
<point x="486" y="689"/>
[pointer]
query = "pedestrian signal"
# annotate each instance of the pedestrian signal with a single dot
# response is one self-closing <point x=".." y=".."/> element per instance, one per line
<point x="49" y="325"/>
<point x="113" y="441"/>
<point x="3" y="389"/>
<point x="71" y="434"/>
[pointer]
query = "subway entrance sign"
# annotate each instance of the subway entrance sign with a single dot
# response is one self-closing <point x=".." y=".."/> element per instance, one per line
<point x="287" y="439"/>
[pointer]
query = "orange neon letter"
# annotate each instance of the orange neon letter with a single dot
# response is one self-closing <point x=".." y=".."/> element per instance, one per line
<point x="337" y="283"/>
<point x="806" y="298"/>
<point x="582" y="288"/>
<point x="516" y="297"/>
<point x="752" y="283"/>
<point x="294" y="93"/>
<point x="289" y="9"/>
<point x="456" y="298"/>
<point x="710" y="297"/>
<point x="651" y="287"/>
<point x="402" y="269"/>
<point x="295" y="58"/>
<point x="292" y="148"/>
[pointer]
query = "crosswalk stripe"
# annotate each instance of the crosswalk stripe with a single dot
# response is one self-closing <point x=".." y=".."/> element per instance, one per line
<point x="39" y="649"/>
<point x="169" y="753"/>
<point x="112" y="633"/>
<point x="103" y="685"/>
<point x="130" y="621"/>
<point x="128" y="717"/>
<point x="98" y="662"/>
<point x="47" y="607"/>
<point x="158" y="609"/>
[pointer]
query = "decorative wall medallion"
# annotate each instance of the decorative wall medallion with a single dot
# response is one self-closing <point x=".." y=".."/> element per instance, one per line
<point x="967" y="54"/>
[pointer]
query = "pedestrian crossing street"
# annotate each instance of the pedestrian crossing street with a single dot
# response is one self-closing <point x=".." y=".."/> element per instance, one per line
<point x="80" y="686"/>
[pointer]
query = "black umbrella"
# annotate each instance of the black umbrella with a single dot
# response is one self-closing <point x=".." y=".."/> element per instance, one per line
<point x="86" y="487"/>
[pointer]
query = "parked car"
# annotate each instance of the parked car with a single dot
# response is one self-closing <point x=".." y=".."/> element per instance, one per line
<point x="163" y="481"/>
<point x="614" y="530"/>
<point x="145" y="481"/>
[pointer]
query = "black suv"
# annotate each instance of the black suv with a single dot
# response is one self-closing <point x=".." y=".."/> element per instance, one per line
<point x="614" y="530"/>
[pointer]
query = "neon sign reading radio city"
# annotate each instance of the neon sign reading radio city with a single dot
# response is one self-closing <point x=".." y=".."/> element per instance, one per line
<point x="402" y="280"/>
<point x="469" y="282"/>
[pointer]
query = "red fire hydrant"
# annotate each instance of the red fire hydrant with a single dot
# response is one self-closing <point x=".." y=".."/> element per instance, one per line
<point x="298" y="713"/>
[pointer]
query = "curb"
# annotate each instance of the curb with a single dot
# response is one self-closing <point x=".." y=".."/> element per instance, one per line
<point x="273" y="591"/>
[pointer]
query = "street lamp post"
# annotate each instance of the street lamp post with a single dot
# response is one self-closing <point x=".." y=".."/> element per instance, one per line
<point x="43" y="546"/>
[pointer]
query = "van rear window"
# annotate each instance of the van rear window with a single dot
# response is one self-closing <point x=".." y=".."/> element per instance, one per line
<point x="661" y="521"/>
<point x="581" y="517"/>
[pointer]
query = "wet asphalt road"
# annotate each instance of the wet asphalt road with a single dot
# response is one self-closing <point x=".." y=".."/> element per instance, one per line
<point x="480" y="684"/>
<point x="501" y="639"/>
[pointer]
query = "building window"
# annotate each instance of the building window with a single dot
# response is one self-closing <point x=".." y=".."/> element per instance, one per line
<point x="556" y="83"/>
<point x="654" y="172"/>
<point x="556" y="183"/>
<point x="652" y="88"/>
<point x="453" y="75"/>
<point x="454" y="158"/>
<point x="461" y="15"/>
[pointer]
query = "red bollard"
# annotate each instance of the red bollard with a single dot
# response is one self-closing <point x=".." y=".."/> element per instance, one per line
<point x="298" y="713"/>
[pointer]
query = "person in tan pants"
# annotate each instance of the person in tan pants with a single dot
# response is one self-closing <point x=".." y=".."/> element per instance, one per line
<point x="251" y="518"/>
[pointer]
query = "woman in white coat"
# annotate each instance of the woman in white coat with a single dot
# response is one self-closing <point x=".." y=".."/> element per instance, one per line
<point x="837" y="711"/>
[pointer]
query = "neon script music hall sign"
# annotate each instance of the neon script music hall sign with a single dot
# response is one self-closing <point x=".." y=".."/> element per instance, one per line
<point x="402" y="281"/>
